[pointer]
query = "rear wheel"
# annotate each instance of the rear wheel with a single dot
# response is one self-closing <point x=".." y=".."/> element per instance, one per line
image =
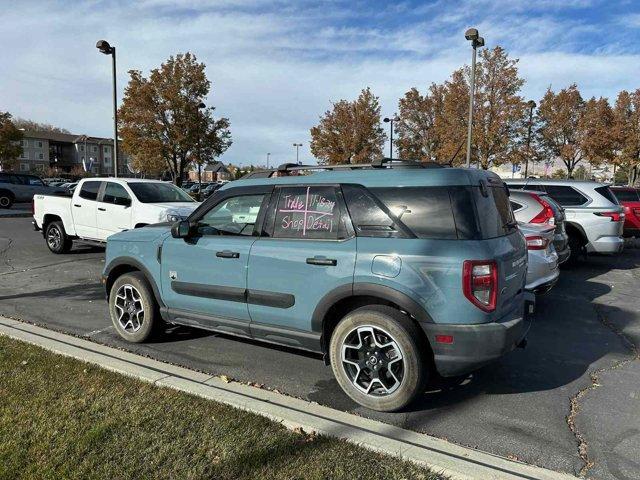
<point x="57" y="239"/>
<point x="378" y="357"/>
<point x="133" y="309"/>
<point x="6" y="199"/>
<point x="576" y="244"/>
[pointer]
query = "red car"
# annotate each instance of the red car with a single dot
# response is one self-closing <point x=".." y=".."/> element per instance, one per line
<point x="629" y="198"/>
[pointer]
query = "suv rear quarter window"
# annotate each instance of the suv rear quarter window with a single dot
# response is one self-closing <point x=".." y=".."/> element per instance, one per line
<point x="494" y="211"/>
<point x="606" y="193"/>
<point x="565" y="195"/>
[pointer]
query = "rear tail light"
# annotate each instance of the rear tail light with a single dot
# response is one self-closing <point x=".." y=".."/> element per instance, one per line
<point x="614" y="216"/>
<point x="637" y="211"/>
<point x="480" y="283"/>
<point x="546" y="214"/>
<point x="535" y="242"/>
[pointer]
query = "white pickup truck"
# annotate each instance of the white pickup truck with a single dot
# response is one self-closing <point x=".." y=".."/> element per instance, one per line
<point x="101" y="207"/>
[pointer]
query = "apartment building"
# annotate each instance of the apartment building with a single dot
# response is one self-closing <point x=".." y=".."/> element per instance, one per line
<point x="68" y="153"/>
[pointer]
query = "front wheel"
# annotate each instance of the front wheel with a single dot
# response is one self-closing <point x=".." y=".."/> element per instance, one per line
<point x="379" y="356"/>
<point x="57" y="239"/>
<point x="6" y="199"/>
<point x="133" y="308"/>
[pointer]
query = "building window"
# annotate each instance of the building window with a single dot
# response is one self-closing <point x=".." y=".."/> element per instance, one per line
<point x="40" y="156"/>
<point x="38" y="144"/>
<point x="106" y="149"/>
<point x="107" y="160"/>
<point x="81" y="148"/>
<point x="24" y="142"/>
<point x="24" y="167"/>
<point x="94" y="149"/>
<point x="24" y="156"/>
<point x="40" y="168"/>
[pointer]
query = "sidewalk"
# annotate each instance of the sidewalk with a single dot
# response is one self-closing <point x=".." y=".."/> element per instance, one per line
<point x="439" y="455"/>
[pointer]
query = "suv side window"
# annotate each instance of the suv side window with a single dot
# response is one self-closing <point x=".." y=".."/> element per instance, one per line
<point x="4" y="178"/>
<point x="368" y="217"/>
<point x="232" y="216"/>
<point x="89" y="190"/>
<point x="116" y="194"/>
<point x="425" y="211"/>
<point x="308" y="212"/>
<point x="565" y="195"/>
<point x="34" y="181"/>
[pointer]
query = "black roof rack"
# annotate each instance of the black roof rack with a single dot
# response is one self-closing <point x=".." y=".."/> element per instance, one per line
<point x="380" y="163"/>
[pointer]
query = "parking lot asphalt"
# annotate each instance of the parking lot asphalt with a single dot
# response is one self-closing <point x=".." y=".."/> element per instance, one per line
<point x="570" y="401"/>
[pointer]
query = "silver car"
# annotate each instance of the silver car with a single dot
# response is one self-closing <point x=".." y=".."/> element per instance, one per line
<point x="542" y="269"/>
<point x="537" y="207"/>
<point x="594" y="217"/>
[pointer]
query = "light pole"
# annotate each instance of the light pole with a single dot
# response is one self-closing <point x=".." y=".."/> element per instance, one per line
<point x="390" y="122"/>
<point x="531" y="104"/>
<point x="297" y="145"/>
<point x="476" y="41"/>
<point x="268" y="158"/>
<point x="200" y="106"/>
<point x="107" y="49"/>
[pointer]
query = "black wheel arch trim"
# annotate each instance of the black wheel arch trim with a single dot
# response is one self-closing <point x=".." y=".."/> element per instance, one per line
<point x="404" y="301"/>
<point x="131" y="262"/>
<point x="578" y="227"/>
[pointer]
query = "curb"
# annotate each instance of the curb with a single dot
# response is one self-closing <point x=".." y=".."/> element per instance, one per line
<point x="457" y="462"/>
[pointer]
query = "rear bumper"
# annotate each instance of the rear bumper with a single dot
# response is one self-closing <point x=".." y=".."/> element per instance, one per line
<point x="477" y="345"/>
<point x="606" y="245"/>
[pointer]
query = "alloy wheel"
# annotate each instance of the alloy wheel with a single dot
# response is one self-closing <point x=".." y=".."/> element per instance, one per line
<point x="129" y="307"/>
<point x="54" y="238"/>
<point x="373" y="360"/>
<point x="4" y="202"/>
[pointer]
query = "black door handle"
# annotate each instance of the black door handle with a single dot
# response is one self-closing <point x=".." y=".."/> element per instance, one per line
<point x="328" y="262"/>
<point x="102" y="209"/>
<point x="227" y="254"/>
<point x="76" y="205"/>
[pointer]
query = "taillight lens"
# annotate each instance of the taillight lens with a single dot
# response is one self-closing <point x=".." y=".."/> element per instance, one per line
<point x="614" y="216"/>
<point x="546" y="214"/>
<point x="637" y="212"/>
<point x="480" y="283"/>
<point x="536" y="242"/>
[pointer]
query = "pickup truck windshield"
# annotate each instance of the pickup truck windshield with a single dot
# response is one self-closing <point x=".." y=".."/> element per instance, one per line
<point x="158" y="193"/>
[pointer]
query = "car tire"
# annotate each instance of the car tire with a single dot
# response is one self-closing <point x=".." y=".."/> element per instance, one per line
<point x="400" y="380"/>
<point x="133" y="308"/>
<point x="577" y="249"/>
<point x="6" y="199"/>
<point x="57" y="239"/>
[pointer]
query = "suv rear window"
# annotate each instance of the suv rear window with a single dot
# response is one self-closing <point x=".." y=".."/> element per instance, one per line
<point x="494" y="211"/>
<point x="606" y="193"/>
<point x="622" y="195"/>
<point x="565" y="195"/>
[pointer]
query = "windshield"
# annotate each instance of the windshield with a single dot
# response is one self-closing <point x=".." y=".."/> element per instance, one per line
<point x="158" y="192"/>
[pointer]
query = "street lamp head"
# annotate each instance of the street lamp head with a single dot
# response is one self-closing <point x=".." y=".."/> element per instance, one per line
<point x="386" y="119"/>
<point x="202" y="105"/>
<point x="104" y="47"/>
<point x="471" y="34"/>
<point x="531" y="104"/>
<point x="479" y="42"/>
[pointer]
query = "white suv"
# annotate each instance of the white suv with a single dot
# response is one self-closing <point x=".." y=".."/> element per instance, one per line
<point x="594" y="220"/>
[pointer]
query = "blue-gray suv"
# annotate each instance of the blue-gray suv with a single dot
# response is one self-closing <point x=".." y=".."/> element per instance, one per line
<point x="394" y="271"/>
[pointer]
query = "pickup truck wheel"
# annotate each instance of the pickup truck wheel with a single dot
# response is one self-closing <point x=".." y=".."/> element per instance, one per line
<point x="57" y="239"/>
<point x="377" y="357"/>
<point x="133" y="308"/>
<point x="6" y="199"/>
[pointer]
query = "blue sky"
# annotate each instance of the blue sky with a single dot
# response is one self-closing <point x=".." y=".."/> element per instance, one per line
<point x="275" y="66"/>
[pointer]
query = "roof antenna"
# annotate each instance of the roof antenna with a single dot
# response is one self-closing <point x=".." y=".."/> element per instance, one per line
<point x="456" y="154"/>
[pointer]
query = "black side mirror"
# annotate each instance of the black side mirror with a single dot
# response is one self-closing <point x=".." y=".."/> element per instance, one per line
<point x="181" y="229"/>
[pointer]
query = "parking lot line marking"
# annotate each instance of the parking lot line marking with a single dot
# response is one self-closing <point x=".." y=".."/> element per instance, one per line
<point x="439" y="455"/>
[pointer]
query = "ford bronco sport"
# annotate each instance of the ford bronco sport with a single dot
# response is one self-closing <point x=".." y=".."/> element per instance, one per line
<point x="394" y="271"/>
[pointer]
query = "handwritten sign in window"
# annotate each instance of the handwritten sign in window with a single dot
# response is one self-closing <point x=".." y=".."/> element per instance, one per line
<point x="307" y="212"/>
